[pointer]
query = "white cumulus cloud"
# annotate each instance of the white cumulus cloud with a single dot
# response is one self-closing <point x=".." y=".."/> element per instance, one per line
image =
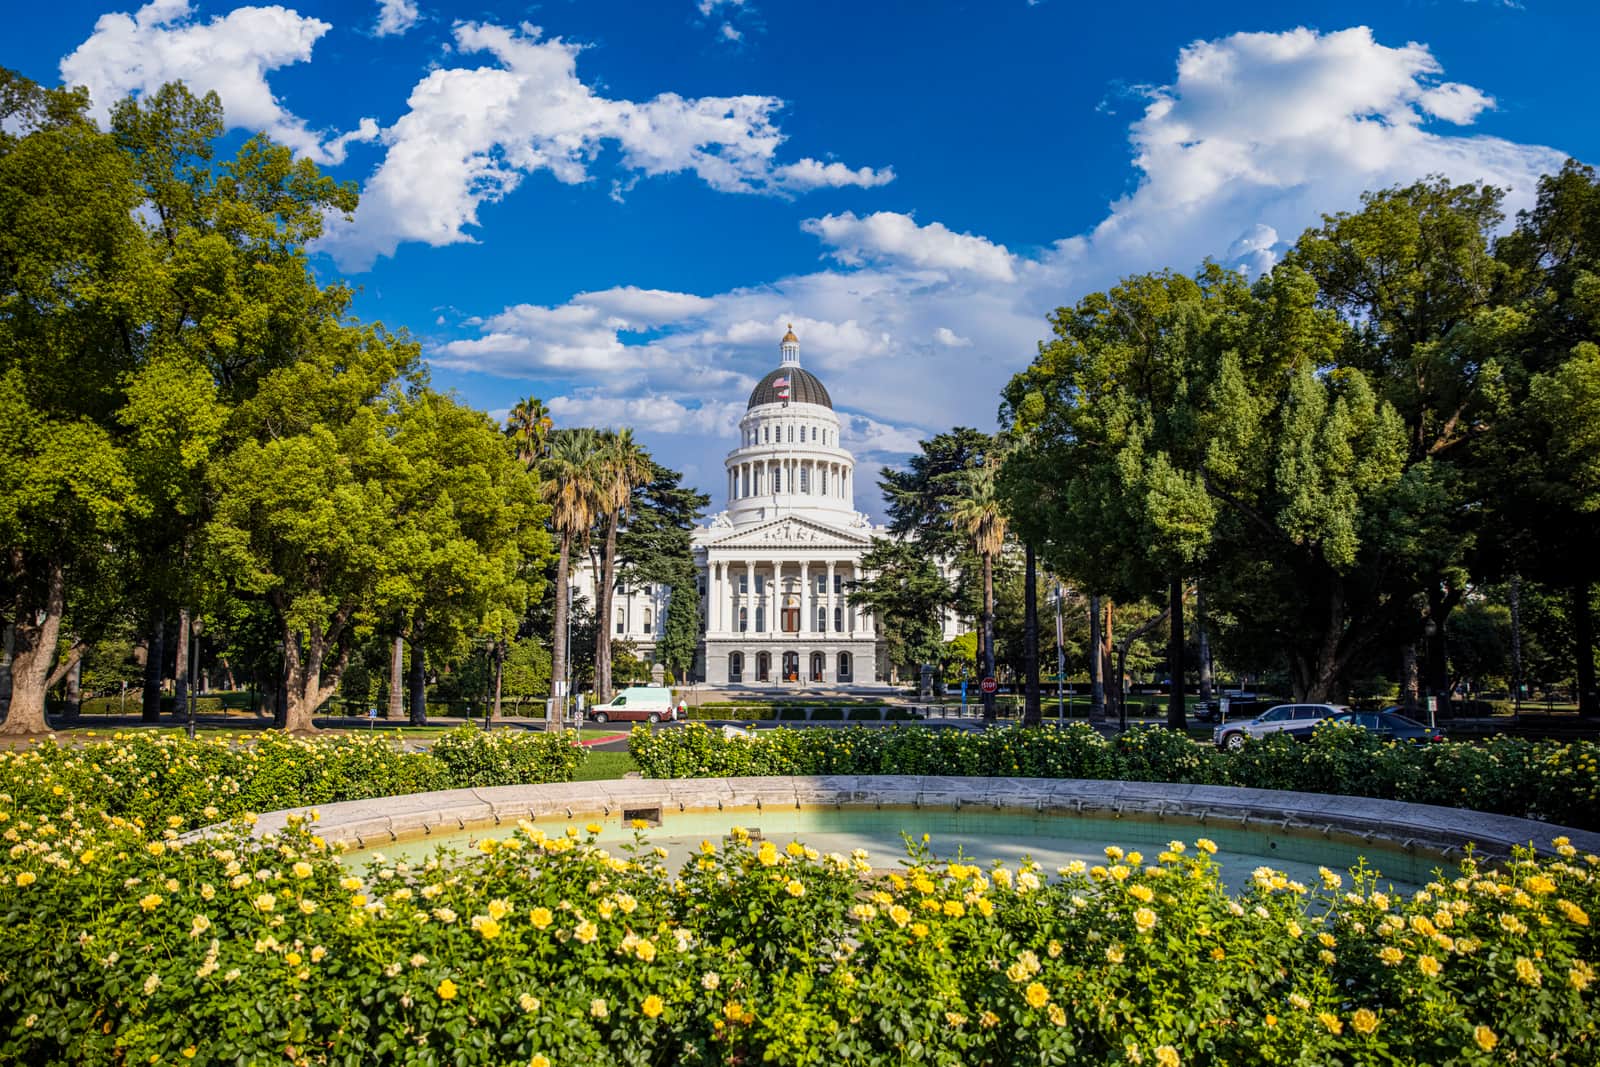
<point x="471" y="134"/>
<point x="1254" y="138"/>
<point x="229" y="54"/>
<point x="888" y="236"/>
<point x="395" y="17"/>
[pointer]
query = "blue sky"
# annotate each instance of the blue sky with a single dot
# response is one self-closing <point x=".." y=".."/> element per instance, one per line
<point x="618" y="206"/>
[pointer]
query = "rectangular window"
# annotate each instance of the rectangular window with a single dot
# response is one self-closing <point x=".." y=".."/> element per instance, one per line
<point x="791" y="435"/>
<point x="761" y="620"/>
<point x="777" y="479"/>
<point x="838" y="583"/>
<point x="813" y="433"/>
<point x="761" y="584"/>
<point x="822" y="481"/>
<point x="647" y="622"/>
<point x="822" y="584"/>
<point x="838" y="620"/>
<point x="805" y="480"/>
<point x="744" y="583"/>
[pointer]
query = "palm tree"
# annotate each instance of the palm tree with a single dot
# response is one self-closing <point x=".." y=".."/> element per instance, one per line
<point x="625" y="466"/>
<point x="529" y="426"/>
<point x="570" y="475"/>
<point x="976" y="514"/>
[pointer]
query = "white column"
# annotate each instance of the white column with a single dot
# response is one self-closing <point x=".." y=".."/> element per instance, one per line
<point x="828" y="600"/>
<point x="807" y="619"/>
<point x="714" y="606"/>
<point x="749" y="600"/>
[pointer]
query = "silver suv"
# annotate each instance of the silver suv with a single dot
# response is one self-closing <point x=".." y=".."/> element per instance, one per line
<point x="1231" y="735"/>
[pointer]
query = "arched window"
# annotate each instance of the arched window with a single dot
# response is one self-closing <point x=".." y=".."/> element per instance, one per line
<point x="818" y="665"/>
<point x="838" y="620"/>
<point x="744" y="619"/>
<point x="735" y="666"/>
<point x="622" y="621"/>
<point x="763" y="666"/>
<point x="646" y="620"/>
<point x="844" y="668"/>
<point x="766" y="433"/>
<point x="822" y="620"/>
<point x="813" y="433"/>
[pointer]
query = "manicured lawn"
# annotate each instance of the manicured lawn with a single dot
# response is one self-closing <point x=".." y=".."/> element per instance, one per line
<point x="604" y="766"/>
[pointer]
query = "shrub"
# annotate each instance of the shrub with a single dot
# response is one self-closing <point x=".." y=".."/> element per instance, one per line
<point x="158" y="778"/>
<point x="1555" y="781"/>
<point x="866" y="714"/>
<point x="125" y="945"/>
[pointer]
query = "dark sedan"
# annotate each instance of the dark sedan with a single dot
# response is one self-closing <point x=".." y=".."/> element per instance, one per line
<point x="1388" y="724"/>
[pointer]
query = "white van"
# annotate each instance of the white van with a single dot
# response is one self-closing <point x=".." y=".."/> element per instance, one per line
<point x="637" y="703"/>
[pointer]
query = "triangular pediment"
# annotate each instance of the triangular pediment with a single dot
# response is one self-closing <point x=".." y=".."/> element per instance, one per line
<point x="793" y="530"/>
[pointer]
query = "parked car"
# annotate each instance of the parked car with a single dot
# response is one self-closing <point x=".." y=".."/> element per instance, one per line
<point x="1388" y="724"/>
<point x="1241" y="705"/>
<point x="1232" y="735"/>
<point x="637" y="703"/>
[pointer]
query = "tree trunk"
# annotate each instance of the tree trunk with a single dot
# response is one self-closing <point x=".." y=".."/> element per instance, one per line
<point x="1176" y="719"/>
<point x="988" y="635"/>
<point x="154" y="662"/>
<point x="35" y="648"/>
<point x="418" y="678"/>
<point x="396" y="705"/>
<point x="180" y="668"/>
<point x="558" y="642"/>
<point x="1108" y="662"/>
<point x="1516" y="641"/>
<point x="1410" y="678"/>
<point x="1205" y="642"/>
<point x="1583" y="649"/>
<point x="606" y="595"/>
<point x="499" y="672"/>
<point x="1097" y="664"/>
<point x="74" y="706"/>
<point x="1032" y="714"/>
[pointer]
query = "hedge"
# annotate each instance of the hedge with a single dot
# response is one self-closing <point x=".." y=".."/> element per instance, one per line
<point x="1551" y="780"/>
<point x="171" y="780"/>
<point x="126" y="946"/>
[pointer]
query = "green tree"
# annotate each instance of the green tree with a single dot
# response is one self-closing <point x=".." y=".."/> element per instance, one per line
<point x="976" y="514"/>
<point x="73" y="280"/>
<point x="656" y="548"/>
<point x="624" y="466"/>
<point x="906" y="595"/>
<point x="570" y="476"/>
<point x="529" y="426"/>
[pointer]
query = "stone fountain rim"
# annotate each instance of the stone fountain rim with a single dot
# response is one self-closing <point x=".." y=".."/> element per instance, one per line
<point x="1444" y="831"/>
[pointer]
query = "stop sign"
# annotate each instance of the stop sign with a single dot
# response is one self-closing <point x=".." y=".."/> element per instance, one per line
<point x="989" y="685"/>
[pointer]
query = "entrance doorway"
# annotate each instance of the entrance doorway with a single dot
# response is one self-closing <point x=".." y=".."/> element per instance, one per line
<point x="735" y="666"/>
<point x="844" y="668"/>
<point x="791" y="666"/>
<point x="818" y="665"/>
<point x="763" y="666"/>
<point x="791" y="614"/>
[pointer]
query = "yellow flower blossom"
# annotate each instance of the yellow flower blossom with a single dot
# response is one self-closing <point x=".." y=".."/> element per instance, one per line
<point x="301" y="869"/>
<point x="1144" y="920"/>
<point x="1141" y="893"/>
<point x="539" y="1060"/>
<point x="1036" y="995"/>
<point x="795" y="888"/>
<point x="1166" y="1056"/>
<point x="447" y="990"/>
<point x="1486" y="1038"/>
<point x="652" y="1007"/>
<point x="1330" y="1022"/>
<point x="541" y="917"/>
<point x="26" y="878"/>
<point x="1429" y="966"/>
<point x="1528" y="972"/>
<point x="586" y="931"/>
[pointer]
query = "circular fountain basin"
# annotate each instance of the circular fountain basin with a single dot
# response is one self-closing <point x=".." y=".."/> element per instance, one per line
<point x="1052" y="821"/>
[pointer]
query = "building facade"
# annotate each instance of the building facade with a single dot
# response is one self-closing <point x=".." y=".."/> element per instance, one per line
<point x="776" y="565"/>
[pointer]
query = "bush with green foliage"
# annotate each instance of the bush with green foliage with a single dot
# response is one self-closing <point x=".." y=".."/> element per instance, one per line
<point x="159" y="778"/>
<point x="1551" y="780"/>
<point x="127" y="944"/>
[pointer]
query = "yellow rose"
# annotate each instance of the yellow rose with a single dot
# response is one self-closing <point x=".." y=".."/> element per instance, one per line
<point x="1331" y="1021"/>
<point x="1485" y="1037"/>
<point x="652" y="1006"/>
<point x="1528" y="972"/>
<point x="1429" y="966"/>
<point x="447" y="990"/>
<point x="539" y="1060"/>
<point x="302" y="869"/>
<point x="26" y="878"/>
<point x="1145" y="920"/>
<point x="541" y="918"/>
<point x="1036" y="995"/>
<point x="1363" y="1021"/>
<point x="150" y="902"/>
<point x="1166" y="1056"/>
<point x="795" y="888"/>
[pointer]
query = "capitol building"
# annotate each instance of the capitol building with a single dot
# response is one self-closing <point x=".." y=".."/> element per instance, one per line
<point x="775" y="566"/>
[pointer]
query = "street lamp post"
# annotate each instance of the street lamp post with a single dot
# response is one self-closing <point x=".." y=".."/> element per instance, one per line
<point x="194" y="675"/>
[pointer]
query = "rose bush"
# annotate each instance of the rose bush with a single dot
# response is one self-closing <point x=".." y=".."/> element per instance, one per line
<point x="1551" y="780"/>
<point x="157" y="777"/>
<point x="126" y="944"/>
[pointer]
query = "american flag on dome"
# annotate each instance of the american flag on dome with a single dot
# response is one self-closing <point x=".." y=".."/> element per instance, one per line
<point x="782" y="385"/>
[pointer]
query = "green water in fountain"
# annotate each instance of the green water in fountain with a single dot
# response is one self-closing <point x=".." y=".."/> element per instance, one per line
<point x="982" y="836"/>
